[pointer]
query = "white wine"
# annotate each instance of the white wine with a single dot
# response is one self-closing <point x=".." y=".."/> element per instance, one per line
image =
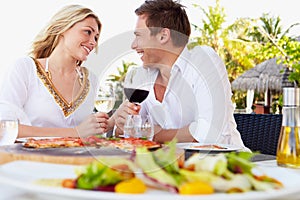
<point x="104" y="104"/>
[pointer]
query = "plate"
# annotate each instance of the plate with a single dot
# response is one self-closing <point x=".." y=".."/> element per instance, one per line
<point x="22" y="174"/>
<point x="24" y="139"/>
<point x="208" y="147"/>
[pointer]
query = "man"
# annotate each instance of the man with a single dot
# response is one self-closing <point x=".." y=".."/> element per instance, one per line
<point x="190" y="94"/>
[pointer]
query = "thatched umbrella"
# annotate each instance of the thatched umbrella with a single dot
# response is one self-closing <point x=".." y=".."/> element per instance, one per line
<point x="264" y="77"/>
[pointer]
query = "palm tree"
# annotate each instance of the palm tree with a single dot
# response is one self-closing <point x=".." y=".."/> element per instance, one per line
<point x="269" y="29"/>
<point x="229" y="42"/>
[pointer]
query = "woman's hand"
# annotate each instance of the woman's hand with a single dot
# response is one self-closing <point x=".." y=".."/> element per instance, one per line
<point x="126" y="108"/>
<point x="96" y="123"/>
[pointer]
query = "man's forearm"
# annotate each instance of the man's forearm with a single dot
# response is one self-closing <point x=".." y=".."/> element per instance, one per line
<point x="164" y="135"/>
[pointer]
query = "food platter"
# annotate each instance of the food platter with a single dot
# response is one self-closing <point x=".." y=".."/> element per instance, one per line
<point x="23" y="174"/>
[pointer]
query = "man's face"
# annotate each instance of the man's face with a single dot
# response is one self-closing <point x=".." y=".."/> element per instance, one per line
<point x="146" y="45"/>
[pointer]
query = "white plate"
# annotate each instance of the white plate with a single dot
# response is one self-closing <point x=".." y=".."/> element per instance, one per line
<point x="21" y="174"/>
<point x="24" y="139"/>
<point x="204" y="147"/>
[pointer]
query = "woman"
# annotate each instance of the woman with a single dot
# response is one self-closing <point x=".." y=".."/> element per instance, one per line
<point x="50" y="87"/>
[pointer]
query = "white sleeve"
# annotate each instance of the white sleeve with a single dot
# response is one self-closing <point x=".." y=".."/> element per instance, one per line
<point x="210" y="66"/>
<point x="14" y="89"/>
<point x="9" y="109"/>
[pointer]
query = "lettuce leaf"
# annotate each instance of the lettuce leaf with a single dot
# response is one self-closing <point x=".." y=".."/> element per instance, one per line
<point x="152" y="170"/>
<point x="97" y="174"/>
<point x="239" y="162"/>
<point x="167" y="159"/>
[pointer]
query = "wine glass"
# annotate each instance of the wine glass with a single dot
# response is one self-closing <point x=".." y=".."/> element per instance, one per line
<point x="136" y="89"/>
<point x="137" y="84"/>
<point x="105" y="99"/>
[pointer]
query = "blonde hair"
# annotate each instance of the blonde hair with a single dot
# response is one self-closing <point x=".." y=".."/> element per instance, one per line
<point x="46" y="41"/>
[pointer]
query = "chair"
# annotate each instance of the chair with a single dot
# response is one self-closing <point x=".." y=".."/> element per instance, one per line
<point x="259" y="132"/>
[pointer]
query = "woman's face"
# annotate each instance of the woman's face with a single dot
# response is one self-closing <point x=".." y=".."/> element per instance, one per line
<point x="80" y="39"/>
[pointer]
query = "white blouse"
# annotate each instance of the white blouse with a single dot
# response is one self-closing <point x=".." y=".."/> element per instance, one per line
<point x="28" y="91"/>
<point x="198" y="94"/>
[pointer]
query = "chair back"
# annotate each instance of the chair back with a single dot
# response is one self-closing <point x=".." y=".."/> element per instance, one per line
<point x="259" y="132"/>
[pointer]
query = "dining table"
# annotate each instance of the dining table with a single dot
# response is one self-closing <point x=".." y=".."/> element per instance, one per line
<point x="10" y="191"/>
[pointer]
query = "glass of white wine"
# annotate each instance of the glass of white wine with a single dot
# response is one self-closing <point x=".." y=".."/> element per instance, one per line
<point x="105" y="99"/>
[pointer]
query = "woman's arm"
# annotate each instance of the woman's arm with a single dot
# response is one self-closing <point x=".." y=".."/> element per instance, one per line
<point x="97" y="123"/>
<point x="32" y="131"/>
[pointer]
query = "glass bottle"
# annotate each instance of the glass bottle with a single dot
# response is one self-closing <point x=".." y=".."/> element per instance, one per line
<point x="288" y="149"/>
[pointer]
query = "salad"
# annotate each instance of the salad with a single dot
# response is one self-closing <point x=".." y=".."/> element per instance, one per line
<point x="161" y="169"/>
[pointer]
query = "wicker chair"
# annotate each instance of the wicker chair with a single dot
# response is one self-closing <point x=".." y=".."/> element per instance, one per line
<point x="259" y="132"/>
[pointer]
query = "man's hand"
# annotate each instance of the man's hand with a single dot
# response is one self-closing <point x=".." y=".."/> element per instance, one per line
<point x="125" y="109"/>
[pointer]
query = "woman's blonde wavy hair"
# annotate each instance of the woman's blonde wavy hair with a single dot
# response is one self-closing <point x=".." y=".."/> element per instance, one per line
<point x="46" y="41"/>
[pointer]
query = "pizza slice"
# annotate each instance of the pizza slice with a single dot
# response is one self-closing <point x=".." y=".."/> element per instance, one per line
<point x="53" y="142"/>
<point x="127" y="144"/>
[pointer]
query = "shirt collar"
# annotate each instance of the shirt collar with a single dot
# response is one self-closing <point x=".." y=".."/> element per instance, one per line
<point x="181" y="61"/>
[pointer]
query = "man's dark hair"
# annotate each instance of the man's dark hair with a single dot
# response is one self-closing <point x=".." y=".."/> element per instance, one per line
<point x="166" y="14"/>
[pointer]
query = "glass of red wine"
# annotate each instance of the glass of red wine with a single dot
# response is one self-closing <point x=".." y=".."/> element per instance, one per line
<point x="136" y="89"/>
<point x="137" y="84"/>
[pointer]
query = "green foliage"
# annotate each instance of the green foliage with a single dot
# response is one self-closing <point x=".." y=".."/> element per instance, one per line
<point x="287" y="52"/>
<point x="240" y="99"/>
<point x="121" y="72"/>
<point x="231" y="43"/>
<point x="295" y="75"/>
<point x="267" y="27"/>
<point x="277" y="103"/>
<point x="292" y="49"/>
<point x="210" y="30"/>
<point x="247" y="42"/>
<point x="274" y="43"/>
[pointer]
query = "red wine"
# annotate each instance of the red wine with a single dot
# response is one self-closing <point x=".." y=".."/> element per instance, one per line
<point x="136" y="95"/>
